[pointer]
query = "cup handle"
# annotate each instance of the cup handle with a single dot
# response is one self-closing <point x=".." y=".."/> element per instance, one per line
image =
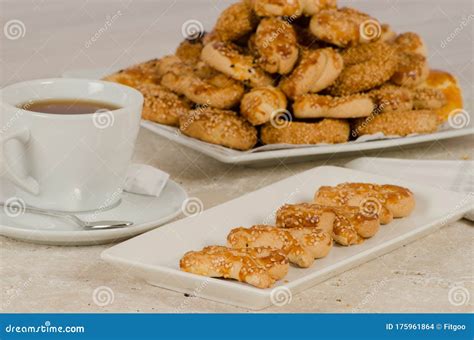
<point x="27" y="183"/>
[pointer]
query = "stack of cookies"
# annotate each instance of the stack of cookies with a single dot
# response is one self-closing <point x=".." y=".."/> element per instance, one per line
<point x="260" y="255"/>
<point x="294" y="72"/>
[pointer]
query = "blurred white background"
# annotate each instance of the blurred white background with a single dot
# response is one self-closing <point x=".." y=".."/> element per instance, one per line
<point x="56" y="35"/>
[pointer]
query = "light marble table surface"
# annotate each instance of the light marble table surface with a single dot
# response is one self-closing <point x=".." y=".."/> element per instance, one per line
<point x="56" y="37"/>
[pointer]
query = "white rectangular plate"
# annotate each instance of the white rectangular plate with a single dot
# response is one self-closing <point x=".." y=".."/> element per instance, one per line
<point x="154" y="256"/>
<point x="267" y="155"/>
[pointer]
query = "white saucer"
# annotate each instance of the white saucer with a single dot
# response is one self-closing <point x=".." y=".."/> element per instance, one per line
<point x="147" y="212"/>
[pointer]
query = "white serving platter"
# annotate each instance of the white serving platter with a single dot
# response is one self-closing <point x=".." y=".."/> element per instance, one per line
<point x="154" y="256"/>
<point x="270" y="154"/>
<point x="302" y="152"/>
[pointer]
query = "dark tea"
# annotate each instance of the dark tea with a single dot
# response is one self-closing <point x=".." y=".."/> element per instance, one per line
<point x="67" y="106"/>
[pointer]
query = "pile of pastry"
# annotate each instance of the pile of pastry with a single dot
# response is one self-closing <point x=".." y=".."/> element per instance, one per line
<point x="260" y="255"/>
<point x="294" y="72"/>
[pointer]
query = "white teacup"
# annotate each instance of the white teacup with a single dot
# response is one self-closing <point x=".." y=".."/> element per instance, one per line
<point x="68" y="162"/>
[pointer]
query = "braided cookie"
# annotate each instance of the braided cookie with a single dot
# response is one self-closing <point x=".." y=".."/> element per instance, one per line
<point x="352" y="227"/>
<point x="305" y="215"/>
<point x="146" y="72"/>
<point x="216" y="90"/>
<point x="412" y="69"/>
<point x="317" y="106"/>
<point x="276" y="45"/>
<point x="316" y="70"/>
<point x="411" y="42"/>
<point x="277" y="8"/>
<point x="361" y="73"/>
<point x="226" y="58"/>
<point x="401" y="123"/>
<point x="328" y="130"/>
<point x="428" y="99"/>
<point x="160" y="105"/>
<point x="220" y="127"/>
<point x="448" y="84"/>
<point x="392" y="98"/>
<point x="341" y="27"/>
<point x="227" y="264"/>
<point x="348" y="224"/>
<point x="369" y="198"/>
<point x="235" y="22"/>
<point x="273" y="260"/>
<point x="260" y="103"/>
<point x="344" y="196"/>
<point x="301" y="245"/>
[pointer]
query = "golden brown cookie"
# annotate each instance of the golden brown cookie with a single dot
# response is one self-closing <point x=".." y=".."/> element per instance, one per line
<point x="369" y="198"/>
<point x="273" y="260"/>
<point x="361" y="74"/>
<point x="412" y="69"/>
<point x="315" y="71"/>
<point x="189" y="51"/>
<point x="220" y="127"/>
<point x="146" y="72"/>
<point x="161" y="105"/>
<point x="235" y="21"/>
<point x="311" y="7"/>
<point x="276" y="45"/>
<point x="341" y="27"/>
<point x="214" y="90"/>
<point x="227" y="264"/>
<point x="260" y="103"/>
<point x="227" y="59"/>
<point x="318" y="106"/>
<point x="277" y="8"/>
<point x="305" y="215"/>
<point x="301" y="245"/>
<point x="428" y="99"/>
<point x="392" y="98"/>
<point x="402" y="123"/>
<point x="328" y="130"/>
